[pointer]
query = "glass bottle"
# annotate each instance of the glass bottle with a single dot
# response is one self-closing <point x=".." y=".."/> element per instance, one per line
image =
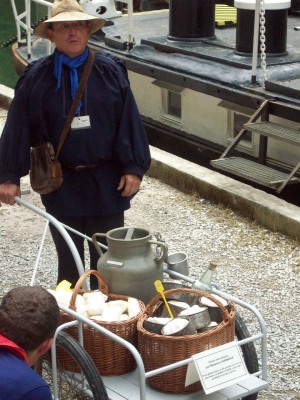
<point x="204" y="283"/>
<point x="206" y="278"/>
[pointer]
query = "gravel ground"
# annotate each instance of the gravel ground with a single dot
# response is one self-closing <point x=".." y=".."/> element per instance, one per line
<point x="256" y="265"/>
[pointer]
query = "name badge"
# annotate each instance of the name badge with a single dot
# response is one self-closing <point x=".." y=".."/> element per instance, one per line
<point x="81" y="122"/>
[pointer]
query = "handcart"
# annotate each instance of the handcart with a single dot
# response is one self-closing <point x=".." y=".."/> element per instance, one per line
<point x="87" y="382"/>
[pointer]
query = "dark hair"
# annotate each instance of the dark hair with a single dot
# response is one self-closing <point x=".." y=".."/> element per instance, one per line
<point x="29" y="315"/>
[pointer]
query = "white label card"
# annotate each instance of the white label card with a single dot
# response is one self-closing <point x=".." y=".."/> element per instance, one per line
<point x="81" y="122"/>
<point x="217" y="368"/>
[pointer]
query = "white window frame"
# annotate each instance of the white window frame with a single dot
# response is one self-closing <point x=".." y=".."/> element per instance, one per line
<point x="166" y="88"/>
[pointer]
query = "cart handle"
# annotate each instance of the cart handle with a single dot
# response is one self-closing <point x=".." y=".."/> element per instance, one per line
<point x="60" y="228"/>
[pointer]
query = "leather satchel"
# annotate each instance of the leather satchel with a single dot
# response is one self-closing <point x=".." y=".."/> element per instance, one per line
<point x="45" y="169"/>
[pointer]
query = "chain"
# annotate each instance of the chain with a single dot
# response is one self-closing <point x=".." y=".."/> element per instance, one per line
<point x="262" y="38"/>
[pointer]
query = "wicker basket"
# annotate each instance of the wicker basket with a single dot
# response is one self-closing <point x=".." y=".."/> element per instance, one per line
<point x="109" y="357"/>
<point x="158" y="350"/>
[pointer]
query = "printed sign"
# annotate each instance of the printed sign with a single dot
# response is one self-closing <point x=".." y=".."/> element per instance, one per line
<point x="217" y="368"/>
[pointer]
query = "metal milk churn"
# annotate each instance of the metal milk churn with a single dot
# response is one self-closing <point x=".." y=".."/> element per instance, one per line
<point x="131" y="265"/>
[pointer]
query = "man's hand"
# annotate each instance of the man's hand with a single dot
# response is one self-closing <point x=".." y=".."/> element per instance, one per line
<point x="129" y="184"/>
<point x="8" y="192"/>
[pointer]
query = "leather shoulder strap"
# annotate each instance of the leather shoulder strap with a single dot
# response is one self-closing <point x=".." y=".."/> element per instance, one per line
<point x="78" y="95"/>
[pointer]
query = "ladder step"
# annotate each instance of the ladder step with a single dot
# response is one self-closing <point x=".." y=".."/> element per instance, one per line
<point x="276" y="131"/>
<point x="252" y="171"/>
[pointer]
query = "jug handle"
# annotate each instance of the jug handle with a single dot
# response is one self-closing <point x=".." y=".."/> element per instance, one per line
<point x="96" y="244"/>
<point x="164" y="249"/>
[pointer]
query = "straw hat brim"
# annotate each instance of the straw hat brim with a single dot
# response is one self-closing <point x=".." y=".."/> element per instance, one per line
<point x="95" y="23"/>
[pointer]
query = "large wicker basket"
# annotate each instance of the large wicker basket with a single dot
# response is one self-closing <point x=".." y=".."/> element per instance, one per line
<point x="110" y="357"/>
<point x="158" y="350"/>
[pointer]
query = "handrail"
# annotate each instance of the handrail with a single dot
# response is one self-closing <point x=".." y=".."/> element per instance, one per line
<point x="27" y="24"/>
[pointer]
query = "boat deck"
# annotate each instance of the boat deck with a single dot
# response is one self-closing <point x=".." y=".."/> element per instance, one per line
<point x="210" y="59"/>
<point x="213" y="59"/>
<point x="151" y="34"/>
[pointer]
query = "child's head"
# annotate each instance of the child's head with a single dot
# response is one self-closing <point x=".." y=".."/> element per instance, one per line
<point x="29" y="315"/>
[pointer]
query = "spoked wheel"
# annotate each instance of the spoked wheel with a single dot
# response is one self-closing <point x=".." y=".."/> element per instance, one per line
<point x="248" y="350"/>
<point x="85" y="383"/>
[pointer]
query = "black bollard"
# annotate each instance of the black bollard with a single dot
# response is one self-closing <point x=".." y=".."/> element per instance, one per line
<point x="275" y="15"/>
<point x="276" y="32"/>
<point x="191" y="20"/>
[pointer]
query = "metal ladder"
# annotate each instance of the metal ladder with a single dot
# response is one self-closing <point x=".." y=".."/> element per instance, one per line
<point x="256" y="170"/>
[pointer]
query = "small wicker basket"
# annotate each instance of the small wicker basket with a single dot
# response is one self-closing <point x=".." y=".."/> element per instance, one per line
<point x="158" y="350"/>
<point x="110" y="357"/>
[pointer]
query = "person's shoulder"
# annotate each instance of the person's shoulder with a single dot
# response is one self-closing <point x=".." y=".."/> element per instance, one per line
<point x="106" y="58"/>
<point x="37" y="65"/>
<point x="110" y="61"/>
<point x="25" y="384"/>
<point x="33" y="70"/>
<point x="33" y="385"/>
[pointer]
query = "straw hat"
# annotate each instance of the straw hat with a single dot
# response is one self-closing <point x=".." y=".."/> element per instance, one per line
<point x="68" y="10"/>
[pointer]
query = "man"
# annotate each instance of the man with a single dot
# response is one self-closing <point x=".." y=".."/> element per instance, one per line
<point x="29" y="316"/>
<point x="103" y="158"/>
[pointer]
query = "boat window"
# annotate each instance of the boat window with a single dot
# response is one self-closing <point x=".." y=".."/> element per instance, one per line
<point x="173" y="104"/>
<point x="171" y="100"/>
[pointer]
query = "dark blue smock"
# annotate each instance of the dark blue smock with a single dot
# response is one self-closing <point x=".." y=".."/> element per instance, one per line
<point x="17" y="380"/>
<point x="116" y="141"/>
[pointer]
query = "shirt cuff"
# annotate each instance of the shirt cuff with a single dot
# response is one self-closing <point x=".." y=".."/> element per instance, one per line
<point x="10" y="177"/>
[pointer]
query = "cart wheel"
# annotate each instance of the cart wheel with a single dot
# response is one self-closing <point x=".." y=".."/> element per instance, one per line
<point x="248" y="349"/>
<point x="83" y="385"/>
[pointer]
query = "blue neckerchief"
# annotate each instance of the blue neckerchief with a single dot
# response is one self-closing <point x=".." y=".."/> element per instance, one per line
<point x="72" y="64"/>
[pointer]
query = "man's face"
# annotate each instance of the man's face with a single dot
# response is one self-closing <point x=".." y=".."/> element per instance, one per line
<point x="70" y="38"/>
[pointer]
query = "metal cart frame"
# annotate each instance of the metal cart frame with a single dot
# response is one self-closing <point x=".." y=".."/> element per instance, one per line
<point x="134" y="384"/>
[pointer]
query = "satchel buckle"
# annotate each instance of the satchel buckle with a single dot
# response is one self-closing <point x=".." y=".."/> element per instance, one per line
<point x="51" y="151"/>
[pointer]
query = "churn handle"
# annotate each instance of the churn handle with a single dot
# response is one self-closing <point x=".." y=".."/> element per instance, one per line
<point x="96" y="244"/>
<point x="164" y="249"/>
